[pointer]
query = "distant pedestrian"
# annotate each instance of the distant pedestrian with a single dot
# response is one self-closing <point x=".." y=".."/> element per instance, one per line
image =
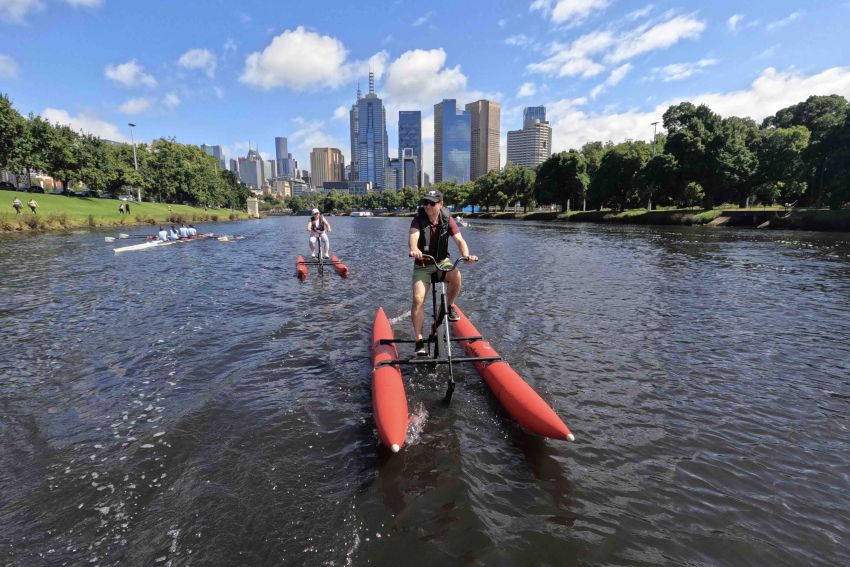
<point x="121" y="209"/>
<point x="127" y="208"/>
<point x="32" y="205"/>
<point x="170" y="209"/>
<point x="17" y="204"/>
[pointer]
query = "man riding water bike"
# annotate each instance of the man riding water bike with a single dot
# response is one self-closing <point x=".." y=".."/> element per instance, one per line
<point x="429" y="234"/>
<point x="319" y="227"/>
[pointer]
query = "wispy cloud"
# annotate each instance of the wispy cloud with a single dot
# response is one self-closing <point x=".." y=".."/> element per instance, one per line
<point x="613" y="79"/>
<point x="784" y="21"/>
<point x="680" y="71"/>
<point x="135" y="106"/>
<point x="200" y="59"/>
<point x="85" y="3"/>
<point x="568" y="11"/>
<point x="423" y="19"/>
<point x="8" y="67"/>
<point x="527" y="89"/>
<point x="16" y="10"/>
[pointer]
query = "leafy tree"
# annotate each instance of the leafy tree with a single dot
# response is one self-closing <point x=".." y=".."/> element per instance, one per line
<point x="824" y="117"/>
<point x="661" y="181"/>
<point x="560" y="178"/>
<point x="13" y="129"/>
<point x="518" y="185"/>
<point x="690" y="131"/>
<point x="781" y="165"/>
<point x="593" y="153"/>
<point x="614" y="184"/>
<point x="733" y="161"/>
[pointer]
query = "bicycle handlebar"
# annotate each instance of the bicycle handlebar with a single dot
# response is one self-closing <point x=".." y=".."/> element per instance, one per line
<point x="434" y="261"/>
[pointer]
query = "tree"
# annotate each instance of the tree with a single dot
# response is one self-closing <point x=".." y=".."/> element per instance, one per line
<point x="518" y="185"/>
<point x="690" y="131"/>
<point x="13" y="128"/>
<point x="824" y="117"/>
<point x="661" y="181"/>
<point x="733" y="161"/>
<point x="561" y="178"/>
<point x="781" y="168"/>
<point x="593" y="153"/>
<point x="614" y="184"/>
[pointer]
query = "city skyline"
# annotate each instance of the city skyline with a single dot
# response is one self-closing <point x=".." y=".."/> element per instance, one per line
<point x="604" y="69"/>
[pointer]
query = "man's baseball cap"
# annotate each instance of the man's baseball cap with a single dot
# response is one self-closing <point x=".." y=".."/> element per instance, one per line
<point x="433" y="195"/>
<point x="315" y="211"/>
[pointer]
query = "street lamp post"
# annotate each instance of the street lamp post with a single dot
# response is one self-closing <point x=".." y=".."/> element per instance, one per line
<point x="654" y="139"/>
<point x="135" y="160"/>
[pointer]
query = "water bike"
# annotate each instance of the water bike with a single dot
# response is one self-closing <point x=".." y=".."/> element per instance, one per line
<point x="389" y="400"/>
<point x="320" y="261"/>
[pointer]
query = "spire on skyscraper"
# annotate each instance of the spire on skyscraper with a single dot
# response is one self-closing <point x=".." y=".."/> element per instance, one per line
<point x="358" y="91"/>
<point x="371" y="82"/>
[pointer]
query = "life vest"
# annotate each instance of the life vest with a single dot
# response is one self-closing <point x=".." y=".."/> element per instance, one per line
<point x="439" y="249"/>
<point x="318" y="225"/>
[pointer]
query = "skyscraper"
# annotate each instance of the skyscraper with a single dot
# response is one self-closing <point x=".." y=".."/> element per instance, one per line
<point x="532" y="145"/>
<point x="486" y="118"/>
<point x="327" y="164"/>
<point x="410" y="137"/>
<point x="371" y="137"/>
<point x="452" y="142"/>
<point x="281" y="152"/>
<point x="410" y="169"/>
<point x="353" y="123"/>
<point x="251" y="170"/>
<point x="532" y="113"/>
<point x="214" y="151"/>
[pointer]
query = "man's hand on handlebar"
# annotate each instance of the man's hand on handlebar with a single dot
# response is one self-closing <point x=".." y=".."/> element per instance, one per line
<point x="470" y="259"/>
<point x="417" y="254"/>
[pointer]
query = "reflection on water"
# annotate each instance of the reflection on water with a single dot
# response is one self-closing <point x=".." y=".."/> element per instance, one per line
<point x="198" y="404"/>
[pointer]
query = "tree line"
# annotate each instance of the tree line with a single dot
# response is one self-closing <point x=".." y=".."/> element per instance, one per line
<point x="167" y="170"/>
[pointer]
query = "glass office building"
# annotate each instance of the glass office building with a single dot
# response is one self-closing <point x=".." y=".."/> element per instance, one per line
<point x="410" y="138"/>
<point x="452" y="142"/>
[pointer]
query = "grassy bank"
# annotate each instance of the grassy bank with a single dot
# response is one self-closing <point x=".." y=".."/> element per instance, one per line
<point x="57" y="212"/>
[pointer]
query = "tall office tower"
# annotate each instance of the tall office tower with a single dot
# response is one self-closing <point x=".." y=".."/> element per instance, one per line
<point x="452" y="142"/>
<point x="353" y="123"/>
<point x="532" y="145"/>
<point x="410" y="137"/>
<point x="532" y="113"/>
<point x="281" y="152"/>
<point x="426" y="180"/>
<point x="392" y="175"/>
<point x="327" y="164"/>
<point x="410" y="169"/>
<point x="234" y="166"/>
<point x="271" y="169"/>
<point x="251" y="170"/>
<point x="485" y="116"/>
<point x="371" y="137"/>
<point x="214" y="151"/>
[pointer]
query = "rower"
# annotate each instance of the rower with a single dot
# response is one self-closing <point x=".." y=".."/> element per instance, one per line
<point x="163" y="236"/>
<point x="319" y="227"/>
<point x="429" y="234"/>
<point x="172" y="233"/>
<point x="193" y="232"/>
<point x="184" y="232"/>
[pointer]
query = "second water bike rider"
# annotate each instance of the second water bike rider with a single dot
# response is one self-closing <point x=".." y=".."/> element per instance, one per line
<point x="319" y="227"/>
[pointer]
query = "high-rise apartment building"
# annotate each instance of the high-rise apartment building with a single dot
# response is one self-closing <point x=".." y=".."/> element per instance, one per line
<point x="371" y="137"/>
<point x="485" y="127"/>
<point x="452" y="142"/>
<point x="327" y="164"/>
<point x="532" y="145"/>
<point x="410" y="138"/>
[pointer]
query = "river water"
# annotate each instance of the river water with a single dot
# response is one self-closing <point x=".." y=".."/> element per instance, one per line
<point x="198" y="405"/>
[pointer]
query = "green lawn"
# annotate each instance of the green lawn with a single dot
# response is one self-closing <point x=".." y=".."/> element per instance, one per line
<point x="56" y="212"/>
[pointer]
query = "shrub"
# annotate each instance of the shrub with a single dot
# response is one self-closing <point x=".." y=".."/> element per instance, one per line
<point x="92" y="222"/>
<point x="234" y="216"/>
<point x="214" y="218"/>
<point x="58" y="218"/>
<point x="33" y="222"/>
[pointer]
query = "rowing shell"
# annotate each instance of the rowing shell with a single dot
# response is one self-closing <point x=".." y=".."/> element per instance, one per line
<point x="159" y="243"/>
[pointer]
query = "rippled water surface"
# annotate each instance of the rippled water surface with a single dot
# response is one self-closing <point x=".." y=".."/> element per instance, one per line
<point x="198" y="405"/>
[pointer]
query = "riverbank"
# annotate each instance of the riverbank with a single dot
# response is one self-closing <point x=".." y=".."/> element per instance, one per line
<point x="814" y="219"/>
<point x="58" y="212"/>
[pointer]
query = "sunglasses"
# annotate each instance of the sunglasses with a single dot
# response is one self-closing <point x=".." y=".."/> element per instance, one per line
<point x="429" y="204"/>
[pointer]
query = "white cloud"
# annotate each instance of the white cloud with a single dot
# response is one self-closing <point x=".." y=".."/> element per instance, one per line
<point x="769" y="92"/>
<point x="171" y="100"/>
<point x="581" y="57"/>
<point x="85" y="3"/>
<point x="784" y="21"/>
<point x="129" y="74"/>
<point x="17" y="10"/>
<point x="423" y="19"/>
<point x="680" y="71"/>
<point x="659" y="36"/>
<point x="613" y="79"/>
<point x="310" y="134"/>
<point x="85" y="122"/>
<point x="419" y="78"/>
<point x="562" y="11"/>
<point x="341" y="113"/>
<point x="135" y="106"/>
<point x="527" y="89"/>
<point x="733" y="22"/>
<point x="8" y="67"/>
<point x="519" y="40"/>
<point x="229" y="45"/>
<point x="502" y="22"/>
<point x="302" y="60"/>
<point x="202" y="59"/>
<point x="640" y="12"/>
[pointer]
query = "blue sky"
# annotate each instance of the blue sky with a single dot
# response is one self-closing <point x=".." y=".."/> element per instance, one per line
<point x="230" y="73"/>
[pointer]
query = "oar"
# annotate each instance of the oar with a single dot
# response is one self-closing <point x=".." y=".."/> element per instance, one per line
<point x="122" y="236"/>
